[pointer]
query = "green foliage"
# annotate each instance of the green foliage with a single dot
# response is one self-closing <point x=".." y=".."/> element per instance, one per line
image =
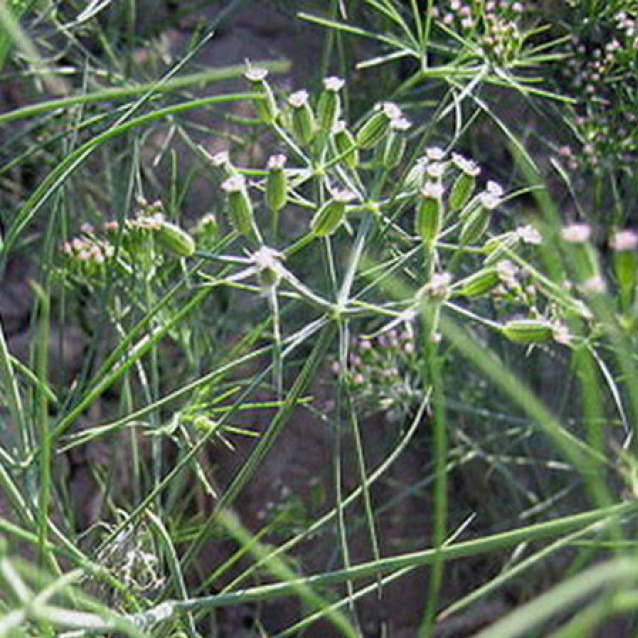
<point x="389" y="275"/>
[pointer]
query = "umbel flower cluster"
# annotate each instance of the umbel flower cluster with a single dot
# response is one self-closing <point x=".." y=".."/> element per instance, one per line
<point x="606" y="122"/>
<point x="332" y="188"/>
<point x="141" y="241"/>
<point x="493" y="25"/>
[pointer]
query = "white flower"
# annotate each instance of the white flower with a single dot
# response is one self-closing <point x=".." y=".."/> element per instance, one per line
<point x="529" y="235"/>
<point x="276" y="161"/>
<point x="234" y="184"/>
<point x="255" y="74"/>
<point x="298" y="99"/>
<point x="576" y="233"/>
<point x="489" y="201"/>
<point x="507" y="273"/>
<point x="400" y="124"/>
<point x="494" y="189"/>
<point x="390" y="109"/>
<point x="594" y="285"/>
<point x="339" y="127"/>
<point x="435" y="170"/>
<point x="624" y="240"/>
<point x="561" y="334"/>
<point x="434" y="153"/>
<point x="432" y="190"/>
<point x="467" y="166"/>
<point x="266" y="258"/>
<point x="333" y="83"/>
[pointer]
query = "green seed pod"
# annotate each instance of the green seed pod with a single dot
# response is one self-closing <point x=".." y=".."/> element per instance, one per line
<point x="462" y="191"/>
<point x="528" y="331"/>
<point x="497" y="248"/>
<point x="266" y="107"/>
<point x="303" y="120"/>
<point x="394" y="147"/>
<point x="626" y="268"/>
<point x="469" y="209"/>
<point x="329" y="104"/>
<point x="581" y="255"/>
<point x="415" y="179"/>
<point x="625" y="247"/>
<point x="239" y="205"/>
<point x="429" y="216"/>
<point x="345" y="142"/>
<point x="375" y="127"/>
<point x="175" y="240"/>
<point x="479" y="283"/>
<point x="328" y="218"/>
<point x="474" y="226"/>
<point x="276" y="183"/>
<point x="465" y="183"/>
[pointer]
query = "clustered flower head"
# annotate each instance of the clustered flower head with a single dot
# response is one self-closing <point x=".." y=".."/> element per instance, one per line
<point x="494" y="26"/>
<point x="379" y="369"/>
<point x="87" y="249"/>
<point x="608" y="137"/>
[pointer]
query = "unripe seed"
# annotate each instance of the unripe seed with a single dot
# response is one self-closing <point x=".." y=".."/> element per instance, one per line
<point x="329" y="104"/>
<point x="276" y="183"/>
<point x="328" y="218"/>
<point x="626" y="268"/>
<point x="373" y="130"/>
<point x="498" y="247"/>
<point x="395" y="143"/>
<point x="416" y="175"/>
<point x="345" y="143"/>
<point x="580" y="252"/>
<point x="479" y="283"/>
<point x="303" y="119"/>
<point x="528" y="331"/>
<point x="475" y="225"/>
<point x="462" y="191"/>
<point x="625" y="247"/>
<point x="175" y="240"/>
<point x="429" y="217"/>
<point x="267" y="106"/>
<point x="239" y="205"/>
